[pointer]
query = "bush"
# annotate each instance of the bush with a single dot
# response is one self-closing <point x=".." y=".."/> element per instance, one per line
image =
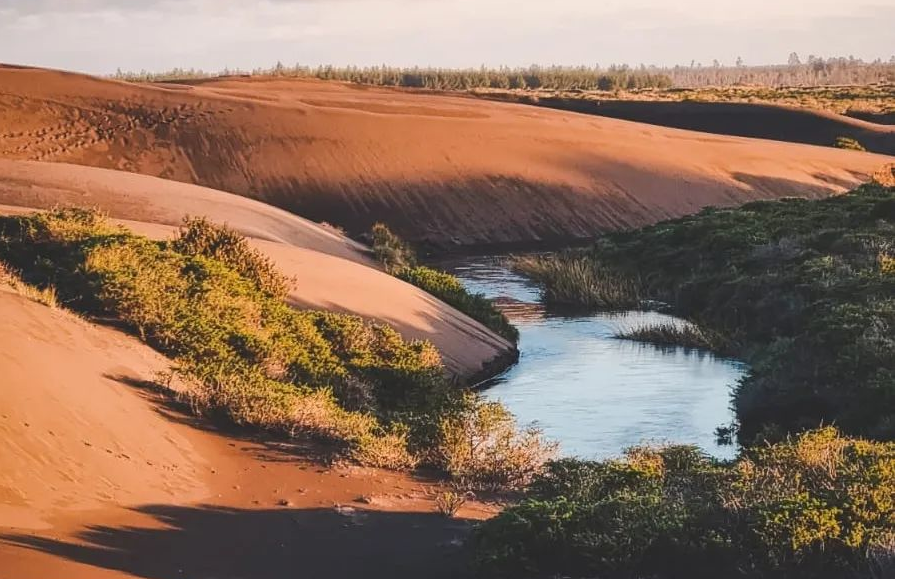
<point x="399" y="260"/>
<point x="482" y="447"/>
<point x="815" y="506"/>
<point x="848" y="143"/>
<point x="200" y="237"/>
<point x="448" y="289"/>
<point x="394" y="253"/>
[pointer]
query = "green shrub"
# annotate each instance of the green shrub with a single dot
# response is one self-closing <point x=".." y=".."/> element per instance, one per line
<point x="482" y="447"/>
<point x="399" y="260"/>
<point x="815" y="506"/>
<point x="394" y="253"/>
<point x="200" y="237"/>
<point x="448" y="289"/>
<point x="848" y="143"/>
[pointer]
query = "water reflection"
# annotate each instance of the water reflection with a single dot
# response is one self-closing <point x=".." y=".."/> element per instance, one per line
<point x="592" y="392"/>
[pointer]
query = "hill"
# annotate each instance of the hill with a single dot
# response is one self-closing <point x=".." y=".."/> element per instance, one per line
<point x="438" y="169"/>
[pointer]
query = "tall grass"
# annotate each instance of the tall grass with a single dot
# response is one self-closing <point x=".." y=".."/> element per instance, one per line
<point x="575" y="280"/>
<point x="682" y="334"/>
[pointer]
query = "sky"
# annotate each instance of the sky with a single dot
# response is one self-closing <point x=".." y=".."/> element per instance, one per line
<point x="100" y="36"/>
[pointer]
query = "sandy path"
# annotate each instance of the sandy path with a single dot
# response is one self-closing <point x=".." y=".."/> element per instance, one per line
<point x="440" y="169"/>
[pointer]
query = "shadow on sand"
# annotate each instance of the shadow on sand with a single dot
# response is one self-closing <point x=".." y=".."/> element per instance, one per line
<point x="211" y="542"/>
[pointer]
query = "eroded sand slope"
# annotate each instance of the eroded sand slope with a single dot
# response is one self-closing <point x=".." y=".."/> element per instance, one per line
<point x="443" y="169"/>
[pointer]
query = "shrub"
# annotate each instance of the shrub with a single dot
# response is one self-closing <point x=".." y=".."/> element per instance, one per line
<point x="448" y="289"/>
<point x="394" y="253"/>
<point x="848" y="143"/>
<point x="482" y="447"/>
<point x="200" y="237"/>
<point x="449" y="502"/>
<point x="815" y="506"/>
<point x="399" y="260"/>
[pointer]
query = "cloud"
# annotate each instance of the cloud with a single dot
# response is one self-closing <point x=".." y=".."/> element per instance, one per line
<point x="101" y="35"/>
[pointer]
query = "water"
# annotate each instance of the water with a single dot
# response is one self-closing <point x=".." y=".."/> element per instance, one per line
<point x="596" y="394"/>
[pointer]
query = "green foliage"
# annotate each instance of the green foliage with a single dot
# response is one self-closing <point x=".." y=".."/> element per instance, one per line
<point x="571" y="279"/>
<point x="803" y="289"/>
<point x="482" y="447"/>
<point x="394" y="253"/>
<point x="447" y="288"/>
<point x="557" y="77"/>
<point x="848" y="143"/>
<point x="214" y="304"/>
<point x="200" y="237"/>
<point x="399" y="260"/>
<point x="819" y="505"/>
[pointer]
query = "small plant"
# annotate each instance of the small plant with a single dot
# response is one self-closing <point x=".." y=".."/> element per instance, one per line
<point x="46" y="296"/>
<point x="449" y="502"/>
<point x="394" y="253"/>
<point x="849" y="144"/>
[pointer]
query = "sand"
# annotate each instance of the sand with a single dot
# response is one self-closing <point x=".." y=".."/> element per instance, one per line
<point x="439" y="169"/>
<point x="331" y="271"/>
<point x="758" y="120"/>
<point x="101" y="476"/>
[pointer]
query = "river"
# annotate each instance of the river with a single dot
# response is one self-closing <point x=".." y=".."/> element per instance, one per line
<point x="593" y="393"/>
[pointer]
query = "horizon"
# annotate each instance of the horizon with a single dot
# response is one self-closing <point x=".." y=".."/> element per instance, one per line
<point x="100" y="36"/>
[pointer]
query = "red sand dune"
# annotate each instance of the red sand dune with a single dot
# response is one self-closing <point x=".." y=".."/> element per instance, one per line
<point x="758" y="120"/>
<point x="331" y="271"/>
<point x="101" y="478"/>
<point x="438" y="168"/>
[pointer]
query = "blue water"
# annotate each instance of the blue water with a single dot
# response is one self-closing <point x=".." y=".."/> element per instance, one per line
<point x="596" y="394"/>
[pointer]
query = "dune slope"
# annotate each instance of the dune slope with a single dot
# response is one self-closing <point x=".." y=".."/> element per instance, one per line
<point x="331" y="272"/>
<point x="440" y="169"/>
<point x="103" y="478"/>
<point x="758" y="120"/>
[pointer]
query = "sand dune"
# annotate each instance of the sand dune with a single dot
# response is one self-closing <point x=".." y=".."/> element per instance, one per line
<point x="759" y="120"/>
<point x="100" y="477"/>
<point x="439" y="169"/>
<point x="331" y="271"/>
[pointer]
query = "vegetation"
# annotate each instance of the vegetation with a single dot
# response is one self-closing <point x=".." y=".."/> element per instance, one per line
<point x="842" y="73"/>
<point x="818" y="505"/>
<point x="576" y="280"/>
<point x="399" y="260"/>
<point x="449" y="502"/>
<point x="215" y="306"/>
<point x="675" y="334"/>
<point x="803" y="289"/>
<point x="848" y="143"/>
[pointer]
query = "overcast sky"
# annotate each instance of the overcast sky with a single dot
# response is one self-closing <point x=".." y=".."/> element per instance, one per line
<point x="99" y="36"/>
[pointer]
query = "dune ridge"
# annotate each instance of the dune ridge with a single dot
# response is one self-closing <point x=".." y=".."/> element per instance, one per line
<point x="439" y="169"/>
